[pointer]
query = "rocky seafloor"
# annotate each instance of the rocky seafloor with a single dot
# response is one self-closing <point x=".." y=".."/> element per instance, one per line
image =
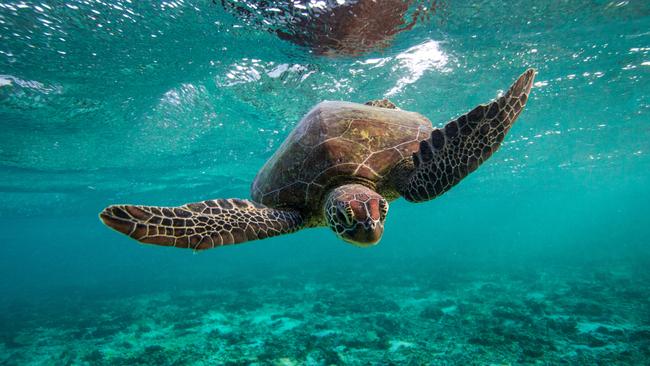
<point x="361" y="316"/>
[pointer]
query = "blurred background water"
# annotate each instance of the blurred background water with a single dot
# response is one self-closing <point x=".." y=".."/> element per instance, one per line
<point x="164" y="103"/>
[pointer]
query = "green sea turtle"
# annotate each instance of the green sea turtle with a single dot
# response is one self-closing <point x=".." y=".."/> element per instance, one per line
<point x="339" y="167"/>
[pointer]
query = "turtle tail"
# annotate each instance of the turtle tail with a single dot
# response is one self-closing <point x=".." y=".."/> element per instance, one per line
<point x="201" y="225"/>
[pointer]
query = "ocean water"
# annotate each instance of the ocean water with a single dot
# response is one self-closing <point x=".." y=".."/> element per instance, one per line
<point x="541" y="256"/>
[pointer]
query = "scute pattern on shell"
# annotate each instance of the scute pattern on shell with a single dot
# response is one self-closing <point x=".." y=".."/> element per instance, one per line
<point x="201" y="225"/>
<point x="337" y="143"/>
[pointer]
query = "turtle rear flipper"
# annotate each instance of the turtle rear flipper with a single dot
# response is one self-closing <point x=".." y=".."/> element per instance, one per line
<point x="201" y="225"/>
<point x="456" y="150"/>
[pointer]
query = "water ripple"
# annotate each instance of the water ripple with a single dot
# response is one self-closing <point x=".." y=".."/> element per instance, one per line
<point x="196" y="92"/>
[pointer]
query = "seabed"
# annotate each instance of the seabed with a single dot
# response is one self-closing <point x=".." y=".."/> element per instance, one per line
<point x="447" y="316"/>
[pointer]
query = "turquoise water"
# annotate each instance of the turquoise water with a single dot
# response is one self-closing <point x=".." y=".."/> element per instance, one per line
<point x="540" y="256"/>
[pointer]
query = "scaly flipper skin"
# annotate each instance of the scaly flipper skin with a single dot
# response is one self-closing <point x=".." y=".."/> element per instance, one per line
<point x="201" y="225"/>
<point x="456" y="150"/>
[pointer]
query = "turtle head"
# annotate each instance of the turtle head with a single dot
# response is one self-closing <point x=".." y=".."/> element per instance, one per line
<point x="356" y="213"/>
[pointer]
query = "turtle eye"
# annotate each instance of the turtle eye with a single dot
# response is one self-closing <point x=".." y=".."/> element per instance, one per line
<point x="349" y="212"/>
<point x="383" y="209"/>
<point x="344" y="215"/>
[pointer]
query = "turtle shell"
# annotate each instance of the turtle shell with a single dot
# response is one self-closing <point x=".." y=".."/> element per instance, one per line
<point x="337" y="143"/>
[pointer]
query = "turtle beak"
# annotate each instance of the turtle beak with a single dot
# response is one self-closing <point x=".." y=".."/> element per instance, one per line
<point x="365" y="234"/>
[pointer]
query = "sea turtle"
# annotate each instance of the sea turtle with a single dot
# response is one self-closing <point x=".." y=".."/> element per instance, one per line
<point x="339" y="167"/>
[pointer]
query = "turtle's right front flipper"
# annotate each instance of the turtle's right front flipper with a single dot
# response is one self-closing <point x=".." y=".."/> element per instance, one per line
<point x="201" y="225"/>
<point x="457" y="149"/>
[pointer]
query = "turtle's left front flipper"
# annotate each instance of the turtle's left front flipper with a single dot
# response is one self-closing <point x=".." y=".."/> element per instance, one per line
<point x="201" y="225"/>
<point x="456" y="150"/>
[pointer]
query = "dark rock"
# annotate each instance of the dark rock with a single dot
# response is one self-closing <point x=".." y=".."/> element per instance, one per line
<point x="564" y="326"/>
<point x="432" y="312"/>
<point x="536" y="307"/>
<point x="596" y="342"/>
<point x="104" y="332"/>
<point x="328" y="357"/>
<point x="154" y="349"/>
<point x="182" y="325"/>
<point x="10" y="342"/>
<point x="387" y="324"/>
<point x="533" y="352"/>
<point x="588" y="309"/>
<point x="94" y="357"/>
<point x="640" y="336"/>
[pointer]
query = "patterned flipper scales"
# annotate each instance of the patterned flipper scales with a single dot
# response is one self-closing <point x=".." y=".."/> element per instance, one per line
<point x="201" y="225"/>
<point x="456" y="150"/>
